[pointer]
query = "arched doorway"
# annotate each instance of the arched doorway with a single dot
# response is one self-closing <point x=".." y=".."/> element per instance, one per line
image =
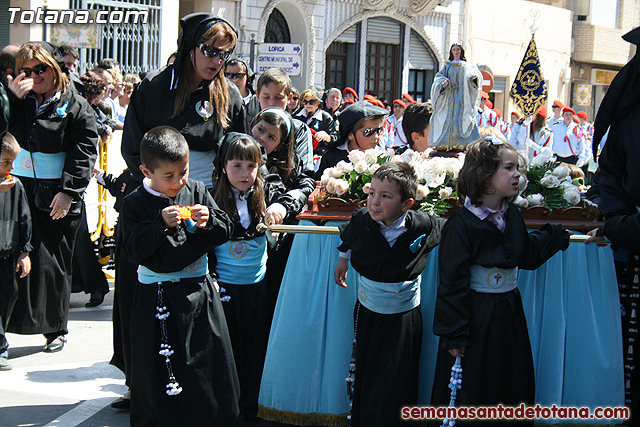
<point x="277" y="29"/>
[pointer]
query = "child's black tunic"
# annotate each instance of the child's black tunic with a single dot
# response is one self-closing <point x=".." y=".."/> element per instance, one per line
<point x="203" y="359"/>
<point x="497" y="364"/>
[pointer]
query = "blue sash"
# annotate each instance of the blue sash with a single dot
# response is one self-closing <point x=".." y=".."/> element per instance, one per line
<point x="242" y="262"/>
<point x="201" y="166"/>
<point x="48" y="165"/>
<point x="198" y="268"/>
<point x="493" y="280"/>
<point x="389" y="298"/>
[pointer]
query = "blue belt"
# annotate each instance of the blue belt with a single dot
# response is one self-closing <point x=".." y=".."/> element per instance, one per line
<point x="389" y="297"/>
<point x="493" y="280"/>
<point x="198" y="268"/>
<point x="47" y="165"/>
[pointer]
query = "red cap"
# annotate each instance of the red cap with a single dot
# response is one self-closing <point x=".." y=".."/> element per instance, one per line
<point x="409" y="98"/>
<point x="576" y="119"/>
<point x="515" y="113"/>
<point x="351" y="91"/>
<point x="484" y="94"/>
<point x="400" y="102"/>
<point x="378" y="103"/>
<point x="498" y="112"/>
<point x="558" y="104"/>
<point x="489" y="104"/>
<point x="543" y="112"/>
<point x="582" y="115"/>
<point x="348" y="101"/>
<point x="565" y="109"/>
<point x="369" y="97"/>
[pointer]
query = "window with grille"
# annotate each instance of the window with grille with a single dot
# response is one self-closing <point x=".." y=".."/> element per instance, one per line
<point x="382" y="70"/>
<point x="135" y="45"/>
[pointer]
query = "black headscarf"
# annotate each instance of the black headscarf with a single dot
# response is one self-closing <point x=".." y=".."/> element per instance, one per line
<point x="193" y="27"/>
<point x="622" y="95"/>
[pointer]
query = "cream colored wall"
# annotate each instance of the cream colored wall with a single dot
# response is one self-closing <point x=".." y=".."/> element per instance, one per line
<point x="498" y="35"/>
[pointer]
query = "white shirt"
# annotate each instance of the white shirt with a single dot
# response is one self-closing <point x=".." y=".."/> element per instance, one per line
<point x="390" y="232"/>
<point x="569" y="141"/>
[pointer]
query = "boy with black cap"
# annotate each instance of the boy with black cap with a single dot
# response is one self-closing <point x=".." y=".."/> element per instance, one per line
<point x="361" y="126"/>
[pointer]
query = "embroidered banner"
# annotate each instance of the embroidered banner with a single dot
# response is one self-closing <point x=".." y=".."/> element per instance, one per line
<point x="529" y="89"/>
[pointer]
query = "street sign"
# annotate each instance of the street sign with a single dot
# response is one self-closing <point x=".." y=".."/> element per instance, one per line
<point x="487" y="81"/>
<point x="287" y="56"/>
<point x="280" y="48"/>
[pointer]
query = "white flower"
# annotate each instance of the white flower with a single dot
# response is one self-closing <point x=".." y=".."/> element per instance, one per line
<point x="549" y="181"/>
<point x="331" y="185"/>
<point x="371" y="155"/>
<point x="544" y="156"/>
<point x="561" y="171"/>
<point x="361" y="166"/>
<point x="407" y="156"/>
<point x="355" y="156"/>
<point x="373" y="168"/>
<point x="335" y="172"/>
<point x="521" y="202"/>
<point x="522" y="182"/>
<point x="535" y="199"/>
<point x="344" y="167"/>
<point x="445" y="192"/>
<point x="342" y="187"/>
<point x="422" y="192"/>
<point x="572" y="196"/>
<point x="326" y="174"/>
<point x="437" y="181"/>
<point x="398" y="159"/>
<point x="437" y="165"/>
<point x="389" y="152"/>
<point x="366" y="188"/>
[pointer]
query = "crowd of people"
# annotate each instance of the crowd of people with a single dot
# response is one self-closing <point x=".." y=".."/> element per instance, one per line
<point x="211" y="153"/>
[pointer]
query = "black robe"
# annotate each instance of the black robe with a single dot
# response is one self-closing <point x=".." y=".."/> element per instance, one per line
<point x="497" y="364"/>
<point x="387" y="345"/>
<point x="43" y="301"/>
<point x="15" y="238"/>
<point x="203" y="359"/>
<point x="152" y="105"/>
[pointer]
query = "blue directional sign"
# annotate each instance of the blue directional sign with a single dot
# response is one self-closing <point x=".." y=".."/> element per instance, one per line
<point x="287" y="56"/>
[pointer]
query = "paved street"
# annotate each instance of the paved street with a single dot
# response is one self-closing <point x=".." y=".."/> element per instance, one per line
<point x="73" y="387"/>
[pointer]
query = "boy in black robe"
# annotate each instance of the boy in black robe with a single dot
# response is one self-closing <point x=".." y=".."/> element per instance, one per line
<point x="15" y="238"/>
<point x="183" y="371"/>
<point x="388" y="244"/>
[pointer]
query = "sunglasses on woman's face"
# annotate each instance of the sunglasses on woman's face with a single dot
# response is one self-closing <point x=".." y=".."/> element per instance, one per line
<point x="212" y="52"/>
<point x="295" y="98"/>
<point x="38" y="69"/>
<point x="367" y="132"/>
<point x="309" y="101"/>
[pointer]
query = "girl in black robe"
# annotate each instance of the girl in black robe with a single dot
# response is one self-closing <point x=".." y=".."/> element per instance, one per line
<point x="240" y="263"/>
<point x="479" y="314"/>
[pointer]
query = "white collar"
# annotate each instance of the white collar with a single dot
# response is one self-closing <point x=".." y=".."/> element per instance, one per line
<point x="145" y="184"/>
<point x="398" y="223"/>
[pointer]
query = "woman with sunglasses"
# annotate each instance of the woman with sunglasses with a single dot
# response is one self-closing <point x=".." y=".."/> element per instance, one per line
<point x="57" y="133"/>
<point x="323" y="127"/>
<point x="193" y="96"/>
<point x="293" y="104"/>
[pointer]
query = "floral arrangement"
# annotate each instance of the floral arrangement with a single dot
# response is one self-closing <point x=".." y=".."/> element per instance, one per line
<point x="549" y="184"/>
<point x="351" y="180"/>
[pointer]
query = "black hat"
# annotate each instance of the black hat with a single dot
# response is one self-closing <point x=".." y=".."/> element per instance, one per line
<point x="250" y="73"/>
<point x="193" y="27"/>
<point x="354" y="112"/>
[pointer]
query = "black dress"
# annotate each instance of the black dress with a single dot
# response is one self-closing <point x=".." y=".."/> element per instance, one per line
<point x="64" y="125"/>
<point x="15" y="232"/>
<point x="387" y="345"/>
<point x="497" y="364"/>
<point x="196" y="328"/>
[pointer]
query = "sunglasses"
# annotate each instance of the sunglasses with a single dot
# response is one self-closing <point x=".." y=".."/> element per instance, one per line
<point x="235" y="75"/>
<point x="367" y="132"/>
<point x="295" y="98"/>
<point x="309" y="101"/>
<point x="578" y="181"/>
<point x="38" y="69"/>
<point x="212" y="52"/>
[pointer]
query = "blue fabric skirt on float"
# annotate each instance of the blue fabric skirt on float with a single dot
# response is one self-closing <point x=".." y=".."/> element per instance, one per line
<point x="573" y="316"/>
<point x="311" y="337"/>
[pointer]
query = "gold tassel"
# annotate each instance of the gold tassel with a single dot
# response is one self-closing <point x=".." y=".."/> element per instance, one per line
<point x="301" y="419"/>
